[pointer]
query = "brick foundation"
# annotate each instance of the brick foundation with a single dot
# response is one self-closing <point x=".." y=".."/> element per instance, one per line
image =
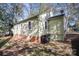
<point x="33" y="39"/>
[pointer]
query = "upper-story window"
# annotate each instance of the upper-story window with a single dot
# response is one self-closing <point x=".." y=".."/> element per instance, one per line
<point x="29" y="25"/>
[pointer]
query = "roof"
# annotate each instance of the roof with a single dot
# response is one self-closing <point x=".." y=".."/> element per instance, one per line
<point x="55" y="16"/>
<point x="36" y="16"/>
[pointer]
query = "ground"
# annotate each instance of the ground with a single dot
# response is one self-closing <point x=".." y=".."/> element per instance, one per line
<point x="9" y="47"/>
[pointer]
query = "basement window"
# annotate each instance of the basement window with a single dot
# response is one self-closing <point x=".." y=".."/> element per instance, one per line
<point x="29" y="25"/>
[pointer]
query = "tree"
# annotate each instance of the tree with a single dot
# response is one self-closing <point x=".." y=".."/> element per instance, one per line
<point x="9" y="13"/>
<point x="73" y="14"/>
<point x="34" y="9"/>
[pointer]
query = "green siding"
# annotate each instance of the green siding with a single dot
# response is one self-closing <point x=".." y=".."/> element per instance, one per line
<point x="56" y="28"/>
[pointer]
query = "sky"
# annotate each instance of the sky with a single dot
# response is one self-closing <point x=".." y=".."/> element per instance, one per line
<point x="25" y="12"/>
<point x="27" y="7"/>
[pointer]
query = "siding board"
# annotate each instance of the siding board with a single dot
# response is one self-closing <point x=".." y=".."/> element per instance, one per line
<point x="56" y="28"/>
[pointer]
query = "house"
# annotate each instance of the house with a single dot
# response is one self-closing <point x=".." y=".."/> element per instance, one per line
<point x="41" y="28"/>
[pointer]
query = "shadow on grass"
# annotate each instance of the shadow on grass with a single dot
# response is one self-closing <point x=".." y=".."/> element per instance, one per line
<point x="3" y="42"/>
<point x="75" y="46"/>
<point x="74" y="42"/>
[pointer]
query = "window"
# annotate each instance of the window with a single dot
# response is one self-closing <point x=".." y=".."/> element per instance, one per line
<point x="46" y="25"/>
<point x="29" y="25"/>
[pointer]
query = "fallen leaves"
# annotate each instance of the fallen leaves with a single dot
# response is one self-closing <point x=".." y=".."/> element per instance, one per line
<point x="49" y="49"/>
<point x="23" y="48"/>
